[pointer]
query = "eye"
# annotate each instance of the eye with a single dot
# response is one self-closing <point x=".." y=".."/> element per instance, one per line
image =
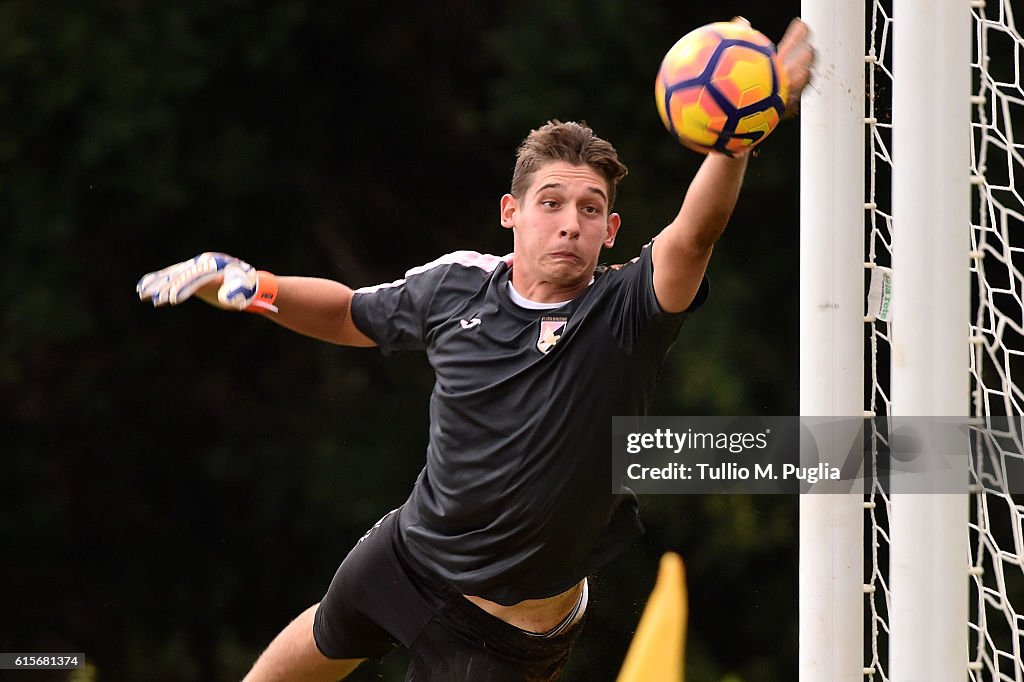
<point x="549" y="203"/>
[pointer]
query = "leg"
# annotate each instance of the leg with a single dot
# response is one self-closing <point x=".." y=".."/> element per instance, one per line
<point x="330" y="639"/>
<point x="293" y="655"/>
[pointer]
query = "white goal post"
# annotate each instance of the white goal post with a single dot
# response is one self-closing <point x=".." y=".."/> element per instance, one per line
<point x="912" y="158"/>
<point x="831" y="332"/>
<point x="929" y="338"/>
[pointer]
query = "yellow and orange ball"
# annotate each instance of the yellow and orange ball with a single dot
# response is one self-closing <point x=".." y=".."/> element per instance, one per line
<point x="721" y="87"/>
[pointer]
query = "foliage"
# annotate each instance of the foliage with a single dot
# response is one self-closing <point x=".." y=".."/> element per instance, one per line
<point x="178" y="484"/>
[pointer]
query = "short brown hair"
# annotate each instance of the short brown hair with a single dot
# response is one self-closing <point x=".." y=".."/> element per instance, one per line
<point x="573" y="143"/>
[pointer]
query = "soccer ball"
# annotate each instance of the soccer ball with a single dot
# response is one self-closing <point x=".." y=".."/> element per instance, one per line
<point x="721" y="87"/>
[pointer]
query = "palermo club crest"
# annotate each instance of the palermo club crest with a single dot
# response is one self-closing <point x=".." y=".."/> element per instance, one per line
<point x="551" y="329"/>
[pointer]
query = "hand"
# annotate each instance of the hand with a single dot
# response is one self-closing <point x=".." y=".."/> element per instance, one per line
<point x="236" y="283"/>
<point x="797" y="55"/>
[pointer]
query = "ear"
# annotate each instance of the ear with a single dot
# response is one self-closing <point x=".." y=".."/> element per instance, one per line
<point x="508" y="211"/>
<point x="614" y="222"/>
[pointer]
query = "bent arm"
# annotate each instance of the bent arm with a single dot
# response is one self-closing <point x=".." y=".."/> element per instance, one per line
<point x="682" y="250"/>
<point x="320" y="308"/>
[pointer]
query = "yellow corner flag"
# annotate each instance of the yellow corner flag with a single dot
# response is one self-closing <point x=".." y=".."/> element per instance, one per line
<point x="658" y="650"/>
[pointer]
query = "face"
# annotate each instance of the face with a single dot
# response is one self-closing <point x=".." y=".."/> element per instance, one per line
<point x="560" y="225"/>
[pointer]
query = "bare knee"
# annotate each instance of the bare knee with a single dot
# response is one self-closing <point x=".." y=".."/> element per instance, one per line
<point x="293" y="655"/>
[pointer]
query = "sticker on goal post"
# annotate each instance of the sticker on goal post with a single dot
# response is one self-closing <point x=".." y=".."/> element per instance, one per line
<point x="880" y="294"/>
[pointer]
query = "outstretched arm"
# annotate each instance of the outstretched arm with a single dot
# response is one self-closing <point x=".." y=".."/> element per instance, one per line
<point x="320" y="308"/>
<point x="682" y="250"/>
<point x="315" y="307"/>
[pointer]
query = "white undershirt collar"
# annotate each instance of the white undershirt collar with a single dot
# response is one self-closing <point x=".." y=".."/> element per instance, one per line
<point x="524" y="302"/>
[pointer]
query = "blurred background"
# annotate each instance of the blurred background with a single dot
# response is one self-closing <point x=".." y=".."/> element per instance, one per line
<point x="176" y="485"/>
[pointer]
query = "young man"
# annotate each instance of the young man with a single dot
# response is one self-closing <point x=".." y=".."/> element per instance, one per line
<point x="481" y="574"/>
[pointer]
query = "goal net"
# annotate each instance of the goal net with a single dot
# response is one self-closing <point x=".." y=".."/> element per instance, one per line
<point x="993" y="565"/>
<point x="997" y="341"/>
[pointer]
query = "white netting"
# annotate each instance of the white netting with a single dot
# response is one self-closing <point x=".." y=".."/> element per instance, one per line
<point x="878" y="205"/>
<point x="996" y="528"/>
<point x="997" y="363"/>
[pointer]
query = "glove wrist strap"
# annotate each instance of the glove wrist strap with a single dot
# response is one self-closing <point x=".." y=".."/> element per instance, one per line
<point x="266" y="293"/>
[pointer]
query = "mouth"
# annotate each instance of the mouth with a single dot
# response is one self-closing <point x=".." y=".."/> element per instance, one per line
<point x="565" y="256"/>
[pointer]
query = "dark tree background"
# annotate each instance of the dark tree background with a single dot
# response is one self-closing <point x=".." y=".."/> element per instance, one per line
<point x="177" y="484"/>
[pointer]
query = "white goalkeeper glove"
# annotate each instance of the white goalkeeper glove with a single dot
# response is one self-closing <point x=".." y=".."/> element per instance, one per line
<point x="242" y="286"/>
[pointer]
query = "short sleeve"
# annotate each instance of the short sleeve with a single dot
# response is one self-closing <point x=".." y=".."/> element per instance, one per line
<point x="393" y="314"/>
<point x="638" y="318"/>
<point x="399" y="315"/>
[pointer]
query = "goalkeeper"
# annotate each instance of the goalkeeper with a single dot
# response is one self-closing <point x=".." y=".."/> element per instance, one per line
<point x="481" y="573"/>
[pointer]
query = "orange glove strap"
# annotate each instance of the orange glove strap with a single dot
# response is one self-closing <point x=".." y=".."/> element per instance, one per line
<point x="266" y="293"/>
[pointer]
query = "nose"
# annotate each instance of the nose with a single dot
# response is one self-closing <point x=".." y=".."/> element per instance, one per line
<point x="570" y="230"/>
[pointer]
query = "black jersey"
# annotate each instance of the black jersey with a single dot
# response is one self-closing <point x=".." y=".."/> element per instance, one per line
<point x="515" y="501"/>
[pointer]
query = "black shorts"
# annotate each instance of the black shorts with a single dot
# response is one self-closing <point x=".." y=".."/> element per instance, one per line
<point x="380" y="598"/>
